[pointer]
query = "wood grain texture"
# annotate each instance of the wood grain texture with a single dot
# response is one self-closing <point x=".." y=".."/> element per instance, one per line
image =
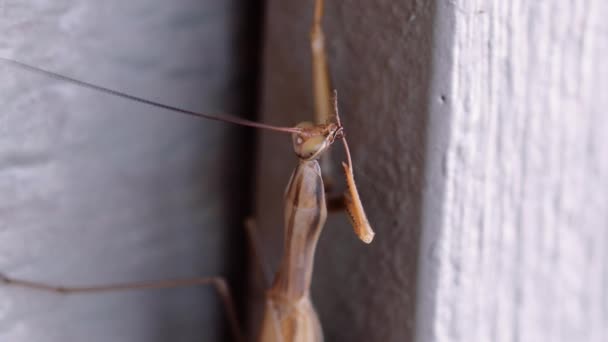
<point x="519" y="250"/>
<point x="379" y="55"/>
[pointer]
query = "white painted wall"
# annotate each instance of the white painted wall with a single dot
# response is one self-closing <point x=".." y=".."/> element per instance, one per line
<point x="515" y="246"/>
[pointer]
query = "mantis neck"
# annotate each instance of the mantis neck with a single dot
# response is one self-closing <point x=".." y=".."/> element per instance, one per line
<point x="305" y="215"/>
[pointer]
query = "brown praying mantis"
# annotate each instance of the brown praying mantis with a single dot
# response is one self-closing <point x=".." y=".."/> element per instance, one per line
<point x="289" y="315"/>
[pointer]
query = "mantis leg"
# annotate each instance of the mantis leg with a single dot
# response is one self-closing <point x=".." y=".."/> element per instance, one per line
<point x="218" y="283"/>
<point x="322" y="91"/>
<point x="320" y="70"/>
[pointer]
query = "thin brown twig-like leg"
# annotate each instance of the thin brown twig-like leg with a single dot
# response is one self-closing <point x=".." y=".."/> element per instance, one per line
<point x="320" y="72"/>
<point x="218" y="283"/>
<point x="321" y="85"/>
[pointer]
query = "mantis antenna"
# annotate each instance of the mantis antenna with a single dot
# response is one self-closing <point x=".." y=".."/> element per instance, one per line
<point x="224" y="118"/>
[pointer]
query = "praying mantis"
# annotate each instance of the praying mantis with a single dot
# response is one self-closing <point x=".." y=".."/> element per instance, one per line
<point x="314" y="140"/>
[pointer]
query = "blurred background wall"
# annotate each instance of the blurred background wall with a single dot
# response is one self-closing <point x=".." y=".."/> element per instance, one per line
<point x="96" y="189"/>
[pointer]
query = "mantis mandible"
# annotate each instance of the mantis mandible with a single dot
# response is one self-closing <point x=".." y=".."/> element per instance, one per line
<point x="289" y="314"/>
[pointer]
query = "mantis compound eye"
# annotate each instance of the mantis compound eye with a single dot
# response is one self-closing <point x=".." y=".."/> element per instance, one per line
<point x="312" y="141"/>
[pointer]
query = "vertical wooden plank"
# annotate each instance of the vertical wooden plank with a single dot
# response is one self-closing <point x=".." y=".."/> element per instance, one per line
<point x="519" y="251"/>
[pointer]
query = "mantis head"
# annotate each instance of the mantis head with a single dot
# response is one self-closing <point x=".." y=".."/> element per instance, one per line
<point x="309" y="144"/>
<point x="312" y="140"/>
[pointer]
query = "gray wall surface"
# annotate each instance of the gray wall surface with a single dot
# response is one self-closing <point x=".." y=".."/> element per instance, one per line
<point x="515" y="232"/>
<point x="96" y="189"/>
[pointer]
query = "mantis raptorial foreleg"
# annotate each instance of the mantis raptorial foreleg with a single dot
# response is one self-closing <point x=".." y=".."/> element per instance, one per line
<point x="326" y="110"/>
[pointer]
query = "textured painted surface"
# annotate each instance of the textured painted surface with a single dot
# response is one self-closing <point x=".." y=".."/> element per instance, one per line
<point x="519" y="253"/>
<point x="97" y="189"/>
<point x="379" y="53"/>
